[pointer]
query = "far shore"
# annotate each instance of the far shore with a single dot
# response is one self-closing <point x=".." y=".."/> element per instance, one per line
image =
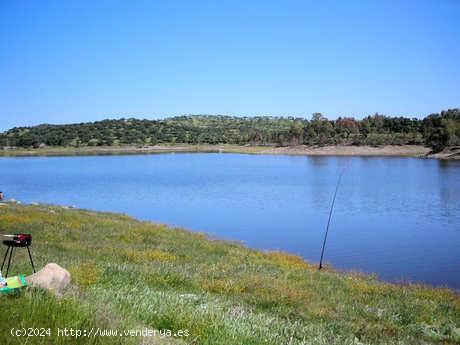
<point x="340" y="150"/>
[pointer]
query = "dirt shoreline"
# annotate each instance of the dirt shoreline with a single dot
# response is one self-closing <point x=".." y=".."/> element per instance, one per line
<point x="386" y="150"/>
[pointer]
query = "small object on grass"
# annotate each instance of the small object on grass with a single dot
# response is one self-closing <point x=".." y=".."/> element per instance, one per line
<point x="52" y="277"/>
<point x="16" y="241"/>
<point x="3" y="282"/>
<point x="14" y="284"/>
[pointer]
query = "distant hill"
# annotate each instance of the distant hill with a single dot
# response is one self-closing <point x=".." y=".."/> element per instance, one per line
<point x="436" y="130"/>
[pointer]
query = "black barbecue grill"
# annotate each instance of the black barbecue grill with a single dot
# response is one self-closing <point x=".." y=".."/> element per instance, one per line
<point x="16" y="241"/>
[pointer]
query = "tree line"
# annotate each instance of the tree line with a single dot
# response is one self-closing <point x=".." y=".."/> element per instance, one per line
<point x="436" y="130"/>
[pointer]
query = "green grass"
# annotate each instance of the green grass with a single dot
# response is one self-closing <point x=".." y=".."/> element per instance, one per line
<point x="132" y="274"/>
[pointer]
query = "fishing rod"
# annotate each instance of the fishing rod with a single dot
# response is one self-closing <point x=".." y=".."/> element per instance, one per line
<point x="330" y="215"/>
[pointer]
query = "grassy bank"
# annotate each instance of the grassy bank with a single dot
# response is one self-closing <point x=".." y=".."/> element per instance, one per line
<point x="132" y="274"/>
<point x="128" y="149"/>
<point x="339" y="150"/>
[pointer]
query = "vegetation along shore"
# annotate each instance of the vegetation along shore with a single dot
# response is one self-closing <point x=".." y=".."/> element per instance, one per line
<point x="132" y="274"/>
<point x="436" y="136"/>
<point x="342" y="150"/>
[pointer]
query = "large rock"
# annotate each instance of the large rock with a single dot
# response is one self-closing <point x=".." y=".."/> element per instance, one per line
<point x="52" y="277"/>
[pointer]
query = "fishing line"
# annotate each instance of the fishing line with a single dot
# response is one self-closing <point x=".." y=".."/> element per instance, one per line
<point x="330" y="214"/>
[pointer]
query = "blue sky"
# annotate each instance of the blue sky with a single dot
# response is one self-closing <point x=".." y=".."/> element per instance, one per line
<point x="75" y="61"/>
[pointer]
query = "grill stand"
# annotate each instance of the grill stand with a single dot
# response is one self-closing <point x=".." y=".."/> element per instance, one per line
<point x="10" y="247"/>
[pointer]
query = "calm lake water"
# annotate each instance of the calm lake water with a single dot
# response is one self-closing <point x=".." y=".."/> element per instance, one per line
<point x="397" y="217"/>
